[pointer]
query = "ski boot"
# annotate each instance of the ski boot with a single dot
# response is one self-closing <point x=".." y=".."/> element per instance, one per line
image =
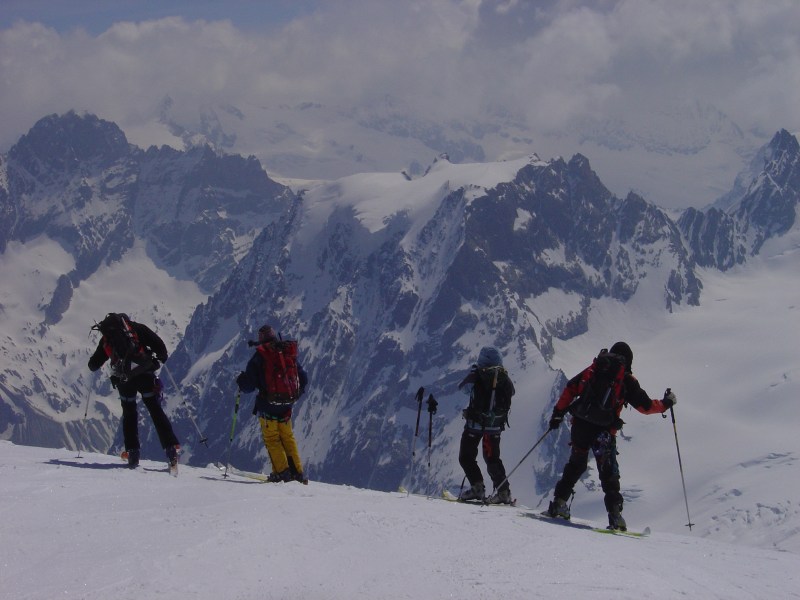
<point x="558" y="509"/>
<point x="475" y="493"/>
<point x="282" y="477"/>
<point x="172" y="458"/>
<point x="501" y="497"/>
<point x="133" y="457"/>
<point x="616" y="522"/>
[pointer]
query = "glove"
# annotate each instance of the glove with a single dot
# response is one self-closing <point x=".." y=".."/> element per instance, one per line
<point x="162" y="358"/>
<point x="240" y="379"/>
<point x="670" y="399"/>
<point x="556" y="418"/>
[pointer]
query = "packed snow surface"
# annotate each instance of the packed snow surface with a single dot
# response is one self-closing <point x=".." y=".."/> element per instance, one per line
<point x="84" y="526"/>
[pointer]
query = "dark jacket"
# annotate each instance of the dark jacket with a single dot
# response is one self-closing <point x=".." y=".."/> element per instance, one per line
<point x="252" y="379"/>
<point x="147" y="338"/>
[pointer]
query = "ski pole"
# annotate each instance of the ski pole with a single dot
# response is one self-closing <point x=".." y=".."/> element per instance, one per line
<point x="680" y="462"/>
<point x="420" y="394"/>
<point x="83" y="423"/>
<point x="432" y="404"/>
<point x="230" y="439"/>
<point x="527" y="454"/>
<point x="203" y="439"/>
<point x="418" y="398"/>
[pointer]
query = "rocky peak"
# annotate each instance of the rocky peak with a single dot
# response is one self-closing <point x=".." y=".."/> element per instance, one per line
<point x="61" y="144"/>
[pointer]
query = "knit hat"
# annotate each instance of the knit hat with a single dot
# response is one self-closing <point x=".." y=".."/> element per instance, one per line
<point x="623" y="349"/>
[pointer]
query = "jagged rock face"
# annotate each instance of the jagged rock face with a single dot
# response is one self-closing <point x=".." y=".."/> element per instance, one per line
<point x="381" y="311"/>
<point x="78" y="181"/>
<point x="768" y="209"/>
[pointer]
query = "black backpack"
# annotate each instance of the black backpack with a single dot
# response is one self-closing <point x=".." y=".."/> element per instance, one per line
<point x="128" y="356"/>
<point x="491" y="396"/>
<point x="602" y="395"/>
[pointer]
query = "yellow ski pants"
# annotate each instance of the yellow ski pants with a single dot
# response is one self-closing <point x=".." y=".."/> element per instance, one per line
<point x="281" y="445"/>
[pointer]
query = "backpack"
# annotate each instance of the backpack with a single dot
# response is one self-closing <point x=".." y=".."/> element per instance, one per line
<point x="128" y="356"/>
<point x="281" y="373"/>
<point x="602" y="386"/>
<point x="491" y="395"/>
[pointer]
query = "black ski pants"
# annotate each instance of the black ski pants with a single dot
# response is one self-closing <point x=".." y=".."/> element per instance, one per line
<point x="584" y="437"/>
<point x="149" y="386"/>
<point x="468" y="454"/>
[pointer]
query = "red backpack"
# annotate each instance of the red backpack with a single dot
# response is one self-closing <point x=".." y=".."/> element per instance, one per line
<point x="280" y="371"/>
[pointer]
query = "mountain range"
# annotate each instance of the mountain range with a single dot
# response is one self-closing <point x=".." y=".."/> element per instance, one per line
<point x="390" y="282"/>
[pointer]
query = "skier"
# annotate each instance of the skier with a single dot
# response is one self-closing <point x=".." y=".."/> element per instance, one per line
<point x="131" y="346"/>
<point x="274" y="409"/>
<point x="490" y="391"/>
<point x="598" y="435"/>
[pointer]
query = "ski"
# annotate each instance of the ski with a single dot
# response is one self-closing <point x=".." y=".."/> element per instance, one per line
<point x="251" y="475"/>
<point x="543" y="516"/>
<point x="633" y="534"/>
<point x="239" y="473"/>
<point x="446" y="495"/>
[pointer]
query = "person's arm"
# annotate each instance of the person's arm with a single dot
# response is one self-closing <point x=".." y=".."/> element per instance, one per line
<point x="150" y="339"/>
<point x="303" y="377"/>
<point x="99" y="357"/>
<point x="571" y="391"/>
<point x="641" y="401"/>
<point x="249" y="379"/>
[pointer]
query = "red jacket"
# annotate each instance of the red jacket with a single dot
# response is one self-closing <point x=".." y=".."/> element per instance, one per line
<point x="632" y="394"/>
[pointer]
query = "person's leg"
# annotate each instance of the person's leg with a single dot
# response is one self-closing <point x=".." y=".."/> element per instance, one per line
<point x="605" y="453"/>
<point x="150" y="388"/>
<point x="494" y="465"/>
<point x="467" y="458"/>
<point x="289" y="444"/>
<point x="272" y="441"/>
<point x="130" y="422"/>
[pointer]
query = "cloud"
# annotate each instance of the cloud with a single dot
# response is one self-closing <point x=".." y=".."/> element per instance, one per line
<point x="550" y="63"/>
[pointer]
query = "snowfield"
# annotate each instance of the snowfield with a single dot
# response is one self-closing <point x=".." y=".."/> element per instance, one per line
<point x="87" y="527"/>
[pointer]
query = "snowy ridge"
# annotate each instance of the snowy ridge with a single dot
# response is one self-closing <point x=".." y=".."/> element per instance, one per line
<point x="203" y="537"/>
<point x="391" y="283"/>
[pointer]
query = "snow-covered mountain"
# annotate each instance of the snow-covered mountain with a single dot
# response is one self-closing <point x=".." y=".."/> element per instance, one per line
<point x="392" y="281"/>
<point x="393" y="284"/>
<point x="680" y="155"/>
<point x="722" y="237"/>
<point x="78" y="202"/>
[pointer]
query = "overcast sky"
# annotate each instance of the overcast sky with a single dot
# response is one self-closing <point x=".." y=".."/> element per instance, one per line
<point x="549" y="63"/>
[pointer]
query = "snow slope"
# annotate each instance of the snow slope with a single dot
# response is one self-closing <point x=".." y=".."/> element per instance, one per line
<point x="87" y="527"/>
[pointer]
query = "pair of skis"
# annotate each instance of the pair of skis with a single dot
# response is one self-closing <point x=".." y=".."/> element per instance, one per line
<point x="229" y="470"/>
<point x="446" y="495"/>
<point x="543" y="516"/>
<point x="172" y="465"/>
